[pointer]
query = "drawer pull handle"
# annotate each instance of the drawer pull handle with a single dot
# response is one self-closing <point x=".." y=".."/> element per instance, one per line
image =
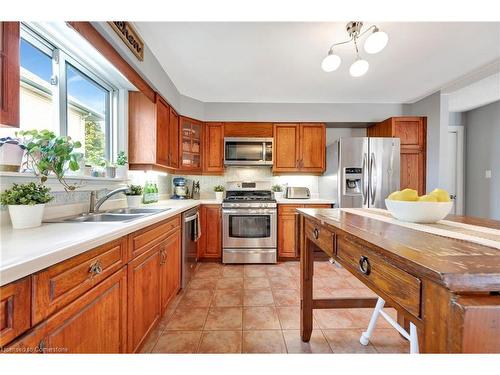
<point x="316" y="233"/>
<point x="364" y="265"/>
<point x="163" y="255"/>
<point x="95" y="268"/>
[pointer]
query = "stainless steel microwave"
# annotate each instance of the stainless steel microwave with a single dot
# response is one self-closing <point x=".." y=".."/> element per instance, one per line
<point x="248" y="151"/>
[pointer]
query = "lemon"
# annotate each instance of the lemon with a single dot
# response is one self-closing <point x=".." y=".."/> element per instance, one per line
<point x="394" y="196"/>
<point x="441" y="195"/>
<point x="428" y="198"/>
<point x="407" y="195"/>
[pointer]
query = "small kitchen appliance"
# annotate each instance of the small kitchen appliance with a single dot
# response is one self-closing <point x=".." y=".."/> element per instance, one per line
<point x="181" y="189"/>
<point x="249" y="223"/>
<point x="297" y="192"/>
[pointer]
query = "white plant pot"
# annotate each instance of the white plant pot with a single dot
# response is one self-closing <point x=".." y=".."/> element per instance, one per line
<point x="278" y="195"/>
<point x="11" y="157"/>
<point x="26" y="216"/>
<point x="219" y="195"/>
<point x="121" y="171"/>
<point x="134" y="200"/>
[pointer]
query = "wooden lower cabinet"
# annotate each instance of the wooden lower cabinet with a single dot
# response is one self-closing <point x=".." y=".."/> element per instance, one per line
<point x="96" y="322"/>
<point x="210" y="242"/>
<point x="143" y="295"/>
<point x="287" y="229"/>
<point x="170" y="269"/>
<point x="105" y="300"/>
<point x="14" y="309"/>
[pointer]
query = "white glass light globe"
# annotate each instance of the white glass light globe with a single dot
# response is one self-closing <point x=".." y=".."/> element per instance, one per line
<point x="376" y="42"/>
<point x="359" y="68"/>
<point x="331" y="63"/>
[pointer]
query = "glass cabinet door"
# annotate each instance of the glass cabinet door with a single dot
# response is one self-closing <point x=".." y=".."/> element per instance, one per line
<point x="191" y="144"/>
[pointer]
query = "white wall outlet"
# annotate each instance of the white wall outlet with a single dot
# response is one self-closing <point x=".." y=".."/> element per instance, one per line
<point x="487" y="173"/>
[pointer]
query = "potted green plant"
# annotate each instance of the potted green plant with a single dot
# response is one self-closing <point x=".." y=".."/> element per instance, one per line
<point x="277" y="191"/>
<point x="26" y="203"/>
<point x="134" y="195"/>
<point x="47" y="153"/>
<point x="11" y="154"/>
<point x="121" y="165"/>
<point x="219" y="192"/>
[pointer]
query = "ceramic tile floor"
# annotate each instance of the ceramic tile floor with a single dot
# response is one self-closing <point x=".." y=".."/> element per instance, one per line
<point x="255" y="309"/>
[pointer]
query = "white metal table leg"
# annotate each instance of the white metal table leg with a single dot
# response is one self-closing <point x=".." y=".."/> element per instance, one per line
<point x="413" y="339"/>
<point x="365" y="336"/>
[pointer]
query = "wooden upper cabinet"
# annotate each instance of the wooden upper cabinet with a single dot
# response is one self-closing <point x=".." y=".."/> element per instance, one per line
<point x="9" y="74"/>
<point x="15" y="308"/>
<point x="163" y="151"/>
<point x="299" y="148"/>
<point x="152" y="123"/>
<point x="191" y="144"/>
<point x="213" y="150"/>
<point x="412" y="132"/>
<point x="210" y="242"/>
<point x="174" y="139"/>
<point x="286" y="148"/>
<point x="248" y="129"/>
<point x="312" y="147"/>
<point x="141" y="130"/>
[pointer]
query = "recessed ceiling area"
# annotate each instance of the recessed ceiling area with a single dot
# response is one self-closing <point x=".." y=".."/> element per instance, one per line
<point x="280" y="62"/>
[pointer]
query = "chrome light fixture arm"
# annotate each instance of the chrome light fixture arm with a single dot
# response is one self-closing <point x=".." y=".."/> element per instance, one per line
<point x="338" y="44"/>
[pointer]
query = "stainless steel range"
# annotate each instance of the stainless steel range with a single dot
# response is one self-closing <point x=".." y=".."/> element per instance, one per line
<point x="249" y="223"/>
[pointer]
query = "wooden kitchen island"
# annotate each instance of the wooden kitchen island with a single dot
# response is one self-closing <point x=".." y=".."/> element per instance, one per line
<point x="448" y="288"/>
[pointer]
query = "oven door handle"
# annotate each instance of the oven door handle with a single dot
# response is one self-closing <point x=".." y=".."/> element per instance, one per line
<point x="256" y="212"/>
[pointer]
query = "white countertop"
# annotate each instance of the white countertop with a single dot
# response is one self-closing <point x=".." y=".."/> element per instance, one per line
<point x="304" y="201"/>
<point x="25" y="251"/>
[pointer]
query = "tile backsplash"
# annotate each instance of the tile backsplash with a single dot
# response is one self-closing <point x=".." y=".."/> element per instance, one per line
<point x="252" y="174"/>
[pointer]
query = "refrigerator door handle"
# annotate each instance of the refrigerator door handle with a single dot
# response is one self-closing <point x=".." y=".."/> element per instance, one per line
<point x="373" y="178"/>
<point x="364" y="185"/>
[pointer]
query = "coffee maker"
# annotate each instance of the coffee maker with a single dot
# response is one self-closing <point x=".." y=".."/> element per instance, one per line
<point x="180" y="188"/>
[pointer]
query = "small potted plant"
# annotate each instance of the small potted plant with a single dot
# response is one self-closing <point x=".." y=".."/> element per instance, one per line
<point x="134" y="195"/>
<point x="121" y="165"/>
<point x="11" y="154"/>
<point x="26" y="203"/>
<point x="219" y="192"/>
<point x="277" y="191"/>
<point x="47" y="153"/>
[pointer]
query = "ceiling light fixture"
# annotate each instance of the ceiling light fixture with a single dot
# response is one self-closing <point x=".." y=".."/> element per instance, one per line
<point x="375" y="43"/>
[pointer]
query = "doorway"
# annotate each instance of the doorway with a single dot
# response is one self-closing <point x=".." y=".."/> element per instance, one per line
<point x="455" y="146"/>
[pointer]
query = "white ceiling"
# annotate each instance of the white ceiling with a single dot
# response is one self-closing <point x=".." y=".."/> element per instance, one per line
<point x="280" y="62"/>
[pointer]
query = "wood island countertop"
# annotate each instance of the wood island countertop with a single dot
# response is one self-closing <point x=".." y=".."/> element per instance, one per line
<point x="458" y="265"/>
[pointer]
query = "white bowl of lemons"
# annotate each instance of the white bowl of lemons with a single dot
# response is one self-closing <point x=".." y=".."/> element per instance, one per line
<point x="406" y="205"/>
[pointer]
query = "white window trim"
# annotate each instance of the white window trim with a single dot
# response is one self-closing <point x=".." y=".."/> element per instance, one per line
<point x="116" y="120"/>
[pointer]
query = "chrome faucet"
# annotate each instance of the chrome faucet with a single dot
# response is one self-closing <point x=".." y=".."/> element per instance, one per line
<point x="94" y="206"/>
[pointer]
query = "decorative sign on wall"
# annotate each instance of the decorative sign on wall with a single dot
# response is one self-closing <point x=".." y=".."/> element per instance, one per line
<point x="130" y="37"/>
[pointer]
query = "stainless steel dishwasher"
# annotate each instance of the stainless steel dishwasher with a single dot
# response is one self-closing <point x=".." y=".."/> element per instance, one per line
<point x="191" y="232"/>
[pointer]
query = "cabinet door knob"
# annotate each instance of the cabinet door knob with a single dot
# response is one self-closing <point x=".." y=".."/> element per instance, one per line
<point x="364" y="265"/>
<point x="316" y="233"/>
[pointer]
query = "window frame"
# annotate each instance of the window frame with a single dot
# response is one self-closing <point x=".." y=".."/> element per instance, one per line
<point x="60" y="59"/>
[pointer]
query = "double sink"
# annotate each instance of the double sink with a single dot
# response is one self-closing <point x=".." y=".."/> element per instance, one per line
<point x="117" y="215"/>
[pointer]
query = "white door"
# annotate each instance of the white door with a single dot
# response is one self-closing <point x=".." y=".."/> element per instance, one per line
<point x="455" y="170"/>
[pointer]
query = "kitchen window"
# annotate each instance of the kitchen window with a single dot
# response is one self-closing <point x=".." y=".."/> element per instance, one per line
<point x="63" y="94"/>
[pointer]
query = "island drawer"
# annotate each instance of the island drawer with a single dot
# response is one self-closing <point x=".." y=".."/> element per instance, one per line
<point x="58" y="285"/>
<point x="144" y="239"/>
<point x="322" y="237"/>
<point x="376" y="272"/>
<point x="14" y="309"/>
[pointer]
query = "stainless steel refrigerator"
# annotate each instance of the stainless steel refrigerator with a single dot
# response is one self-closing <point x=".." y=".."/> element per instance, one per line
<point x="361" y="171"/>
